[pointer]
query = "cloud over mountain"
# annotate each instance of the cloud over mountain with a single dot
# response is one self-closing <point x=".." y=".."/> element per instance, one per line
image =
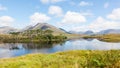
<point x="55" y="10"/>
<point x="73" y="17"/>
<point x="115" y="15"/>
<point x="39" y="18"/>
<point x="6" y="20"/>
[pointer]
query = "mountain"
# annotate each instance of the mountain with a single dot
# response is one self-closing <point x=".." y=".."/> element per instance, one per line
<point x="7" y="29"/>
<point x="75" y="32"/>
<point x="64" y="30"/>
<point x="45" y="26"/>
<point x="89" y="32"/>
<point x="110" y="31"/>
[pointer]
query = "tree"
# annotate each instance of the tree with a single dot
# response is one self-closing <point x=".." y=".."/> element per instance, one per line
<point x="47" y="32"/>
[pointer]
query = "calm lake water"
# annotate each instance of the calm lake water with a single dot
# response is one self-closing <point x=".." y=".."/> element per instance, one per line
<point x="8" y="50"/>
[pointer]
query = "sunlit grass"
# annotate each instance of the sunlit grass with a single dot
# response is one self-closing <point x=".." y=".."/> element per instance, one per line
<point x="106" y="37"/>
<point x="69" y="59"/>
<point x="111" y="37"/>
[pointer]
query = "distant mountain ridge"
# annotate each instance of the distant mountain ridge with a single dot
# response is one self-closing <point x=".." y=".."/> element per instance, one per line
<point x="7" y="29"/>
<point x="110" y="31"/>
<point x="89" y="32"/>
<point x="46" y="26"/>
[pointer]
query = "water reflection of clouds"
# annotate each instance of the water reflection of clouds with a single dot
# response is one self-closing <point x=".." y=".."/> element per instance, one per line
<point x="85" y="45"/>
<point x="94" y="45"/>
<point x="5" y="53"/>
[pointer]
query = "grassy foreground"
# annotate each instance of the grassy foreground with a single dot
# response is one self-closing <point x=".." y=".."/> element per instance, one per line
<point x="69" y="59"/>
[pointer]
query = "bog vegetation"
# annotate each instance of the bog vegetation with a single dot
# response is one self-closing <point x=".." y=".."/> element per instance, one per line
<point x="69" y="59"/>
<point x="106" y="37"/>
<point x="32" y="36"/>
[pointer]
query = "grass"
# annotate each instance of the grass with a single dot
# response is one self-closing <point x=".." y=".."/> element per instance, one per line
<point x="111" y="37"/>
<point x="106" y="37"/>
<point x="73" y="36"/>
<point x="69" y="59"/>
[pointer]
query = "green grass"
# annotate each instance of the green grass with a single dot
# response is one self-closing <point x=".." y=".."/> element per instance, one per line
<point x="111" y="37"/>
<point x="69" y="59"/>
<point x="106" y="37"/>
<point x="73" y="36"/>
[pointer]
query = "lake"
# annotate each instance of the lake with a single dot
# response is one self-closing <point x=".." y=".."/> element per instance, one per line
<point x="8" y="50"/>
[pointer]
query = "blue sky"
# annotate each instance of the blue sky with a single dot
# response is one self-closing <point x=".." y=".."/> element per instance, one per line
<point x="76" y="15"/>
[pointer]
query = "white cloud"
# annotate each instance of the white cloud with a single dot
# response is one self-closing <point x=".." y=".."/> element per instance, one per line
<point x="55" y="10"/>
<point x="2" y="8"/>
<point x="115" y="15"/>
<point x="44" y="1"/>
<point x="39" y="18"/>
<point x="87" y="14"/>
<point x="50" y="1"/>
<point x="55" y="1"/>
<point x="83" y="3"/>
<point x="73" y="17"/>
<point x="106" y="5"/>
<point x="98" y="25"/>
<point x="102" y="24"/>
<point x="6" y="20"/>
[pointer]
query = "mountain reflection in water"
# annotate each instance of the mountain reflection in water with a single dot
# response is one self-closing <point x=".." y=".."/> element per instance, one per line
<point x="17" y="49"/>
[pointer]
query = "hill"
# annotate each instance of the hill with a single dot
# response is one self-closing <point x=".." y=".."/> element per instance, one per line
<point x="110" y="31"/>
<point x="45" y="26"/>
